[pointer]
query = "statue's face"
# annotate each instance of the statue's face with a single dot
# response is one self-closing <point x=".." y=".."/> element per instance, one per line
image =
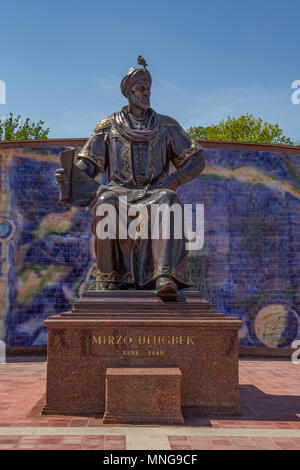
<point x="139" y="95"/>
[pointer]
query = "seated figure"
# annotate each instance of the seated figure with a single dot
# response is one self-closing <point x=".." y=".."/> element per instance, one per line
<point x="136" y="146"/>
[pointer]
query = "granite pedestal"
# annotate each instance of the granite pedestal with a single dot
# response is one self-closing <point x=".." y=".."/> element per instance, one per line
<point x="136" y="329"/>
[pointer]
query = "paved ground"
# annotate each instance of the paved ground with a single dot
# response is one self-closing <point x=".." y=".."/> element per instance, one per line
<point x="270" y="403"/>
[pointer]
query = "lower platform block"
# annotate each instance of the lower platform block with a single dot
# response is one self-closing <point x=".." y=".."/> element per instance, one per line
<point x="143" y="395"/>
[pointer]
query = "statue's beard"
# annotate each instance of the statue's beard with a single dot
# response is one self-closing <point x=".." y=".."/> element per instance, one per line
<point x="142" y="104"/>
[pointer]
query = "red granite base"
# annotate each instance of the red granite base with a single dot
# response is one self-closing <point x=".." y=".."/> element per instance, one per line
<point x="149" y="395"/>
<point x="139" y="330"/>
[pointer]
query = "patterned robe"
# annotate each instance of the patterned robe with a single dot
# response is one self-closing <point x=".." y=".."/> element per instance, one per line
<point x="136" y="162"/>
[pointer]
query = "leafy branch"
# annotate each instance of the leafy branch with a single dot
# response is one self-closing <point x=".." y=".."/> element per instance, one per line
<point x="11" y="128"/>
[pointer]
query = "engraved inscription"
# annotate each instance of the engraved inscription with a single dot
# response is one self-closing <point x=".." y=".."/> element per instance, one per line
<point x="143" y="339"/>
<point x="136" y="346"/>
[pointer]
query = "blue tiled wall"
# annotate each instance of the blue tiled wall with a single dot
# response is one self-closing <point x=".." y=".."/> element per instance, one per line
<point x="249" y="266"/>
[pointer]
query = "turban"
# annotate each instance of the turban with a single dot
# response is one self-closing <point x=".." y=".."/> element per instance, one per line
<point x="132" y="76"/>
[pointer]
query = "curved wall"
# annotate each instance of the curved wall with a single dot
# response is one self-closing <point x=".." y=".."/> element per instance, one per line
<point x="249" y="266"/>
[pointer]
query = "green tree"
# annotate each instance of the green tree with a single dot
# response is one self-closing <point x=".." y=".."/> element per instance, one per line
<point x="11" y="128"/>
<point x="246" y="128"/>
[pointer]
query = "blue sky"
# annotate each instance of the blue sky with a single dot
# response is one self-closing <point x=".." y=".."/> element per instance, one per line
<point x="62" y="61"/>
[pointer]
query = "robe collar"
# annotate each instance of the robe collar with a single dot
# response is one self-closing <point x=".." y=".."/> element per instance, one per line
<point x="122" y="124"/>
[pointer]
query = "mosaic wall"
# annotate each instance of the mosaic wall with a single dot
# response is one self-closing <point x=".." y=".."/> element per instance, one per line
<point x="249" y="266"/>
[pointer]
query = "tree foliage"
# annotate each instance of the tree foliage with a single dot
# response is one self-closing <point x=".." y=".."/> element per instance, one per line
<point x="246" y="128"/>
<point x="11" y="128"/>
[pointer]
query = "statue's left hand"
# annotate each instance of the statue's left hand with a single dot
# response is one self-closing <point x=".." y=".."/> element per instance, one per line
<point x="60" y="176"/>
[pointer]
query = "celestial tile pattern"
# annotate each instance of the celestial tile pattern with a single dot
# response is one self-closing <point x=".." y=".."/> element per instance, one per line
<point x="248" y="267"/>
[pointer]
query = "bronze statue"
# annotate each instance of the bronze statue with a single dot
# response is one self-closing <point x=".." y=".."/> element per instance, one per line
<point x="136" y="146"/>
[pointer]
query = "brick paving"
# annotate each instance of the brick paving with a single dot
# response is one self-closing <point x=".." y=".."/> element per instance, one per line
<point x="233" y="443"/>
<point x="37" y="442"/>
<point x="269" y="396"/>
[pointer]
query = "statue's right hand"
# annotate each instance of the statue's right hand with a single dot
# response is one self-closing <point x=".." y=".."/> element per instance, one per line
<point x="60" y="176"/>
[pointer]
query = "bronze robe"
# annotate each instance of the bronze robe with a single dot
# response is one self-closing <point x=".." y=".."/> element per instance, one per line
<point x="135" y="166"/>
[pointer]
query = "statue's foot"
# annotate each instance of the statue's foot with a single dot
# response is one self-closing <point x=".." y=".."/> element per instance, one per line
<point x="166" y="289"/>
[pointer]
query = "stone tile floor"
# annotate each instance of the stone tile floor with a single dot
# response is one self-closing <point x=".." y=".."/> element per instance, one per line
<point x="50" y="442"/>
<point x="270" y="403"/>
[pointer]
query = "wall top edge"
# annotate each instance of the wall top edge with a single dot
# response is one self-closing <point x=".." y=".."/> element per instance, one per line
<point x="35" y="144"/>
